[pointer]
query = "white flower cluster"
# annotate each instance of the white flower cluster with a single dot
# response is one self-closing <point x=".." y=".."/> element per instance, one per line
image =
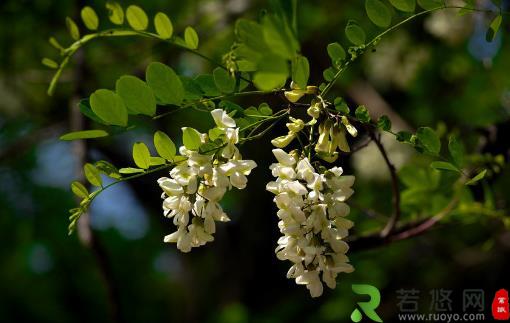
<point x="199" y="184"/>
<point x="312" y="212"/>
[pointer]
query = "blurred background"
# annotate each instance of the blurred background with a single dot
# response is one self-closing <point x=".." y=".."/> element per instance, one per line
<point x="437" y="71"/>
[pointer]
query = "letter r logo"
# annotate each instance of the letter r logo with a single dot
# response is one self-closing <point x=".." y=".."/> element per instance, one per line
<point x="368" y="308"/>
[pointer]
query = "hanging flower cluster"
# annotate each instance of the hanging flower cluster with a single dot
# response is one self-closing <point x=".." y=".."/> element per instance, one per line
<point x="199" y="184"/>
<point x="312" y="212"/>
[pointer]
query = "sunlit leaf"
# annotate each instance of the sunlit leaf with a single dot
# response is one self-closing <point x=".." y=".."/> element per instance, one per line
<point x="378" y="13"/>
<point x="477" y="178"/>
<point x="157" y="161"/>
<point x="493" y="28"/>
<point x="115" y="12"/>
<point x="89" y="18"/>
<point x="92" y="174"/>
<point x="165" y="83"/>
<point x="137" y="18"/>
<point x="79" y="190"/>
<point x="85" y="134"/>
<point x="136" y="94"/>
<point x="191" y="138"/>
<point x="131" y="170"/>
<point x="163" y="25"/>
<point x="108" y="106"/>
<point x="141" y="155"/>
<point x="108" y="169"/>
<point x="49" y="63"/>
<point x="191" y="37"/>
<point x="164" y="145"/>
<point x="72" y="28"/>
<point x="272" y="73"/>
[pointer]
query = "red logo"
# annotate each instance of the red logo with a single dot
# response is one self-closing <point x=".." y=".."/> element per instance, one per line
<point x="500" y="310"/>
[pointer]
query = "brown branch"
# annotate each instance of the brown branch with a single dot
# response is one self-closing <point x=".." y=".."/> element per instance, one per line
<point x="405" y="232"/>
<point x="392" y="222"/>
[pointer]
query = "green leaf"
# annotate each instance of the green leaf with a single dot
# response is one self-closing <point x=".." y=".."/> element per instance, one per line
<point x="456" y="150"/>
<point x="209" y="148"/>
<point x="329" y="74"/>
<point x="441" y="165"/>
<point x="89" y="18"/>
<point x="430" y="4"/>
<point x="86" y="110"/>
<point x="207" y="85"/>
<point x="141" y="155"/>
<point x="72" y="28"/>
<point x="130" y="170"/>
<point x="92" y="174"/>
<point x="493" y="28"/>
<point x="223" y="80"/>
<point x="337" y="53"/>
<point x="108" y="169"/>
<point x="49" y="63"/>
<point x="384" y="123"/>
<point x="355" y="33"/>
<point x="341" y="105"/>
<point x="156" y="161"/>
<point x="300" y="71"/>
<point x="191" y="37"/>
<point x="404" y="5"/>
<point x="278" y="37"/>
<point x="137" y="18"/>
<point x="79" y="190"/>
<point x="165" y="83"/>
<point x="404" y="136"/>
<point x="265" y="109"/>
<point x="56" y="44"/>
<point x="192" y="91"/>
<point x="191" y="138"/>
<point x="378" y="13"/>
<point x="272" y="72"/>
<point x="251" y="34"/>
<point x="108" y="106"/>
<point x="115" y="12"/>
<point x="86" y="134"/>
<point x="429" y="140"/>
<point x="163" y="25"/>
<point x="136" y="94"/>
<point x="216" y="133"/>
<point x="477" y="178"/>
<point x="164" y="145"/>
<point x="362" y="114"/>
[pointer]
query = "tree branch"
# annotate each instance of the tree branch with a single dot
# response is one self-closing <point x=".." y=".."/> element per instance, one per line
<point x="390" y="225"/>
<point x="405" y="232"/>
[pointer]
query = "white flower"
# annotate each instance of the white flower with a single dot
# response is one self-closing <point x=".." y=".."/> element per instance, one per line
<point x="222" y="119"/>
<point x="192" y="193"/>
<point x="312" y="210"/>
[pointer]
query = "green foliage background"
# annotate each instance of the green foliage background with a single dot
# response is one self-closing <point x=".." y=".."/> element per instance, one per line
<point x="45" y="276"/>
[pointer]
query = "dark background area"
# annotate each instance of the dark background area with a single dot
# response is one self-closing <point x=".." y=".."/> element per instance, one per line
<point x="437" y="71"/>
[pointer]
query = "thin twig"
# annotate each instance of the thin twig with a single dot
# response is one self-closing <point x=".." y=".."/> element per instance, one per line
<point x="405" y="232"/>
<point x="390" y="225"/>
